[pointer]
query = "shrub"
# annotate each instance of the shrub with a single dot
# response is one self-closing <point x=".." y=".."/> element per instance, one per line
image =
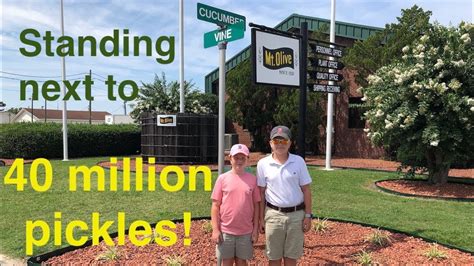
<point x="207" y="227"/>
<point x="320" y="225"/>
<point x="111" y="253"/>
<point x="434" y="253"/>
<point x="45" y="140"/>
<point x="379" y="238"/>
<point x="174" y="260"/>
<point x="364" y="258"/>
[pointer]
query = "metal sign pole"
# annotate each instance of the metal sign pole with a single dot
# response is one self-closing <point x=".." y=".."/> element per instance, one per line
<point x="181" y="57"/>
<point x="63" y="90"/>
<point x="303" y="87"/>
<point x="221" y="130"/>
<point x="330" y="110"/>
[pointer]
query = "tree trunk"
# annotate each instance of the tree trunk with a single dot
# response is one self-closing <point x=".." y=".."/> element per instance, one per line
<point x="438" y="167"/>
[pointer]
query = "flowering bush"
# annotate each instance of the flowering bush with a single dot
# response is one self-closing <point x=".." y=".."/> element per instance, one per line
<point x="422" y="106"/>
<point x="163" y="98"/>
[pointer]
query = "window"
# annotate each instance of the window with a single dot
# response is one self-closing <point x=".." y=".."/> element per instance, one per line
<point x="356" y="111"/>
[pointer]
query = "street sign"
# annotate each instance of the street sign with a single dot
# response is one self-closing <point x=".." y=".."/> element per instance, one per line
<point x="218" y="16"/>
<point x="228" y="34"/>
<point x="326" y="63"/>
<point x="326" y="88"/>
<point x="328" y="76"/>
<point x="319" y="49"/>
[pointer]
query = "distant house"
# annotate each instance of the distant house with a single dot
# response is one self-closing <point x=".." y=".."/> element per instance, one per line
<point x="49" y="115"/>
<point x="6" y="117"/>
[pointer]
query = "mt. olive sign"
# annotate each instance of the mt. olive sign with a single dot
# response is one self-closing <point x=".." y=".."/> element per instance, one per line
<point x="276" y="59"/>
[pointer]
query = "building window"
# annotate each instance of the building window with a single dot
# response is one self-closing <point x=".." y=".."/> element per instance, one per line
<point x="356" y="112"/>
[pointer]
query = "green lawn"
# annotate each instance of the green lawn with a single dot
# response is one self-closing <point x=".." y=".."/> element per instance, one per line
<point x="342" y="194"/>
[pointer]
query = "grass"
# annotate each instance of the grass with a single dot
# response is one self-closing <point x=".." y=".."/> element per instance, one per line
<point x="342" y="194"/>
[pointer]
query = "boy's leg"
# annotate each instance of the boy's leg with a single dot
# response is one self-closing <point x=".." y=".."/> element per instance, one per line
<point x="289" y="262"/>
<point x="226" y="249"/>
<point x="275" y="235"/>
<point x="294" y="244"/>
<point x="240" y="262"/>
<point x="243" y="248"/>
<point x="228" y="262"/>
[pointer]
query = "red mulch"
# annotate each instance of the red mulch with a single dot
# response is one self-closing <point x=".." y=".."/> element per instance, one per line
<point x="449" y="190"/>
<point x="339" y="244"/>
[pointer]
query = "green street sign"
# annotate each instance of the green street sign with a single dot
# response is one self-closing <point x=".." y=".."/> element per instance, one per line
<point x="218" y="16"/>
<point x="228" y="34"/>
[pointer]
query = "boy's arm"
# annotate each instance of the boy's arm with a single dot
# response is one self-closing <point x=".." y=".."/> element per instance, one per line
<point x="216" y="222"/>
<point x="308" y="207"/>
<point x="262" y="210"/>
<point x="256" y="221"/>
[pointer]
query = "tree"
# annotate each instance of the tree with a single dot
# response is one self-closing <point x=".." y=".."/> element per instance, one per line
<point x="163" y="98"/>
<point x="259" y="108"/>
<point x="383" y="48"/>
<point x="14" y="110"/>
<point x="423" y="104"/>
<point x="249" y="105"/>
<point x="286" y="113"/>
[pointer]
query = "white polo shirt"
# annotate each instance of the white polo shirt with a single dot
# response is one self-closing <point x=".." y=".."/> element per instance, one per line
<point x="283" y="182"/>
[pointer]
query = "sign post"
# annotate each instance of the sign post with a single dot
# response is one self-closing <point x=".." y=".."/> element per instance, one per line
<point x="231" y="28"/>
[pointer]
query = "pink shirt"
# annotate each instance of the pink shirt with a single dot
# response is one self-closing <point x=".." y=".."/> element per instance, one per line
<point x="237" y="195"/>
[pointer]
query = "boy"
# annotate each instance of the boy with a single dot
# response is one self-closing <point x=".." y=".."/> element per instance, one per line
<point x="235" y="210"/>
<point x="285" y="183"/>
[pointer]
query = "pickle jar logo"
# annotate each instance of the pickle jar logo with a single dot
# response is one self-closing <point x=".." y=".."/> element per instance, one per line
<point x="278" y="58"/>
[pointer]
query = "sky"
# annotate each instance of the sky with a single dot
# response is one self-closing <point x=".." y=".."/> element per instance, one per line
<point x="157" y="18"/>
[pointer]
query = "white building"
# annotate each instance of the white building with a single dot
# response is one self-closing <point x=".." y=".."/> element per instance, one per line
<point x="6" y="117"/>
<point x="56" y="116"/>
<point x="118" y="119"/>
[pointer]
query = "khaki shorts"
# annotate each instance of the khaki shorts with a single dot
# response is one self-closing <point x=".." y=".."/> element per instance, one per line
<point x="235" y="246"/>
<point x="284" y="234"/>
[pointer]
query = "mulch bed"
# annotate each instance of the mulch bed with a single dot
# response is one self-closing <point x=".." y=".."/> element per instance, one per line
<point x="423" y="188"/>
<point x="339" y="244"/>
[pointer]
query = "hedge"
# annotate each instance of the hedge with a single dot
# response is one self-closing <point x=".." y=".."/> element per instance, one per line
<point x="45" y="140"/>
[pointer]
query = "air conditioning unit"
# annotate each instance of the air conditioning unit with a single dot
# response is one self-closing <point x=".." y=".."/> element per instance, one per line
<point x="229" y="140"/>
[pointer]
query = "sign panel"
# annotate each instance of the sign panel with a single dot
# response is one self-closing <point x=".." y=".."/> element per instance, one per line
<point x="319" y="49"/>
<point x="230" y="33"/>
<point x="328" y="76"/>
<point x="327" y="63"/>
<point x="326" y="88"/>
<point x="275" y="59"/>
<point x="166" y="120"/>
<point x="218" y="16"/>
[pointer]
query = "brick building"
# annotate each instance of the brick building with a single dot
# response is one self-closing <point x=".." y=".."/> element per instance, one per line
<point x="349" y="138"/>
